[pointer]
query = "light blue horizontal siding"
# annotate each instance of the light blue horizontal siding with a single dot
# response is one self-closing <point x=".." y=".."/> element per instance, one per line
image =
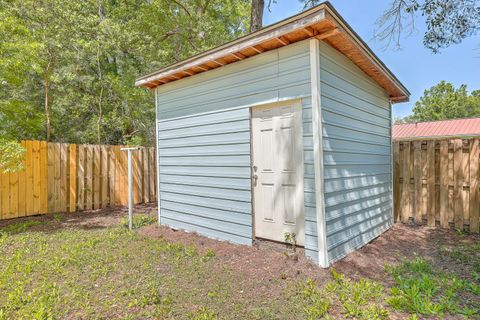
<point x="356" y="124"/>
<point x="204" y="140"/>
<point x="273" y="75"/>
<point x="205" y="187"/>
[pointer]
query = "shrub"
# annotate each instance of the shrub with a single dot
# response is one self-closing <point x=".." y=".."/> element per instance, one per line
<point x="11" y="156"/>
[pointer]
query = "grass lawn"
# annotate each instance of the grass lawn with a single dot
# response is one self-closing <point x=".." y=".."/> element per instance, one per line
<point x="91" y="267"/>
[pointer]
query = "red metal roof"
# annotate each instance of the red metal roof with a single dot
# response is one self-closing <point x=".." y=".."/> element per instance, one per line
<point x="444" y="128"/>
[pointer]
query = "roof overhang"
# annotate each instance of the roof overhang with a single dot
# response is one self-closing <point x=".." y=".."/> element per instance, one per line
<point x="322" y="22"/>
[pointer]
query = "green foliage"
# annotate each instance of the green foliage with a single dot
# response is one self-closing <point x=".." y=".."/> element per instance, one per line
<point x="67" y="68"/>
<point x="209" y="255"/>
<point x="443" y="101"/>
<point x="19" y="227"/>
<point x="291" y="239"/>
<point x="139" y="220"/>
<point x="11" y="156"/>
<point x="361" y="299"/>
<point x="420" y="288"/>
<point x="203" y="313"/>
<point x="447" y="22"/>
<point x="317" y="304"/>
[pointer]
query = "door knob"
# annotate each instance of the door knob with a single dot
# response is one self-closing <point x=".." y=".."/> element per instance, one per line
<point x="255" y="177"/>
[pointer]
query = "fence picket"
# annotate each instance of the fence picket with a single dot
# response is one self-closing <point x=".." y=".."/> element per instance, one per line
<point x="29" y="178"/>
<point x="152" y="168"/>
<point x="444" y="184"/>
<point x="111" y="175"/>
<point x="13" y="195"/>
<point x="474" y="187"/>
<point x="5" y="195"/>
<point x="81" y="178"/>
<point x="146" y="176"/>
<point x="89" y="178"/>
<point x="406" y="211"/>
<point x="96" y="176"/>
<point x="458" y="188"/>
<point x="137" y="176"/>
<point x="64" y="193"/>
<point x="50" y="177"/>
<point x="36" y="176"/>
<point x="21" y="188"/>
<point x="104" y="177"/>
<point x="431" y="183"/>
<point x="418" y="183"/>
<point x="43" y="177"/>
<point x="72" y="183"/>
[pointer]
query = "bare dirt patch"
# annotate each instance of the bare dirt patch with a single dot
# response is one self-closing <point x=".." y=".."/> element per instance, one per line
<point x="406" y="242"/>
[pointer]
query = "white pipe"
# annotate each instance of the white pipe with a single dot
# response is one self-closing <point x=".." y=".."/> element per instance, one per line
<point x="130" y="183"/>
<point x="130" y="193"/>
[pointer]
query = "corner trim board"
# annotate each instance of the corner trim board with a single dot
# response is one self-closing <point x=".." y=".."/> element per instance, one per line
<point x="157" y="156"/>
<point x="318" y="152"/>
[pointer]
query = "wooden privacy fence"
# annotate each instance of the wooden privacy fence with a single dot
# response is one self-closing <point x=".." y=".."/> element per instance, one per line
<point x="437" y="182"/>
<point x="60" y="177"/>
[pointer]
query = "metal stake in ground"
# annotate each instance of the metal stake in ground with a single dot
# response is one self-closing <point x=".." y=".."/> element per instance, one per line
<point x="130" y="191"/>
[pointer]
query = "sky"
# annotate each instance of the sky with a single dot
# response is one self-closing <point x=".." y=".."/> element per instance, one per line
<point x="414" y="65"/>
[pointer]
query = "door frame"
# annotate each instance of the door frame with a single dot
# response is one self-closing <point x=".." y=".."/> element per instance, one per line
<point x="252" y="192"/>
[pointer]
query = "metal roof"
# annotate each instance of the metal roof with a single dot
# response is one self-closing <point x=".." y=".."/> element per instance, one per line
<point x="437" y="129"/>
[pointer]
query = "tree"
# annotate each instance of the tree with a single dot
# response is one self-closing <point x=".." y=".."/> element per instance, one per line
<point x="443" y="101"/>
<point x="67" y="68"/>
<point x="448" y="22"/>
<point x="256" y="17"/>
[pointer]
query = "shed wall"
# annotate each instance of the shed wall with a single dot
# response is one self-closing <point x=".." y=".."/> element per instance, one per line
<point x="204" y="140"/>
<point x="356" y="128"/>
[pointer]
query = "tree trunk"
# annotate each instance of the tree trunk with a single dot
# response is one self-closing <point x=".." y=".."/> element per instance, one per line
<point x="256" y="18"/>
<point x="100" y="117"/>
<point x="46" y="84"/>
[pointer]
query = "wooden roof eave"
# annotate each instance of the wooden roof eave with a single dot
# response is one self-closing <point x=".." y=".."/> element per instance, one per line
<point x="322" y="22"/>
<point x="252" y="40"/>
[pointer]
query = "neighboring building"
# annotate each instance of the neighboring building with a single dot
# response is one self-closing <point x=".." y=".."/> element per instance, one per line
<point x="461" y="128"/>
<point x="285" y="130"/>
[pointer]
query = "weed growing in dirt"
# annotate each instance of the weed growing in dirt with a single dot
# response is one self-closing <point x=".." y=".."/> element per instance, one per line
<point x="291" y="239"/>
<point x="139" y="220"/>
<point x="209" y="254"/>
<point x="467" y="254"/>
<point x="357" y="299"/>
<point x="14" y="228"/>
<point x="203" y="313"/>
<point x="422" y="289"/>
<point x="57" y="217"/>
<point x="317" y="304"/>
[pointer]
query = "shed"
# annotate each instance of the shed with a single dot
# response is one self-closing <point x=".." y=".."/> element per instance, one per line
<point x="286" y="130"/>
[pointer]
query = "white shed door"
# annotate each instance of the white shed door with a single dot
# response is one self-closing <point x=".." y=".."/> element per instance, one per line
<point x="278" y="171"/>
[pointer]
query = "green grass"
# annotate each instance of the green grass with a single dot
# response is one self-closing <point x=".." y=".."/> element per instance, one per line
<point x="361" y="299"/>
<point x="420" y="288"/>
<point x="139" y="221"/>
<point x="113" y="273"/>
